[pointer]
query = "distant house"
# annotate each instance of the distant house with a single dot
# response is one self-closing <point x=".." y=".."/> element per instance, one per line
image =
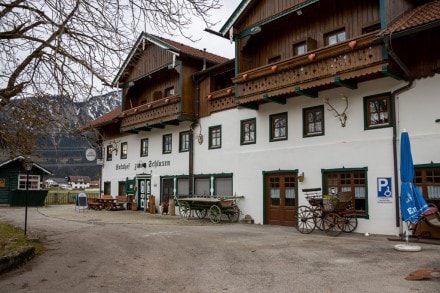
<point x="57" y="182"/>
<point x="94" y="184"/>
<point x="79" y="182"/>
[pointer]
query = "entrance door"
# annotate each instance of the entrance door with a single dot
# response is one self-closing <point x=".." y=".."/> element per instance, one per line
<point x="280" y="199"/>
<point x="167" y="189"/>
<point x="143" y="191"/>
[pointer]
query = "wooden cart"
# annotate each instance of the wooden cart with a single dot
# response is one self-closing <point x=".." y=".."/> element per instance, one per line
<point x="333" y="214"/>
<point x="214" y="206"/>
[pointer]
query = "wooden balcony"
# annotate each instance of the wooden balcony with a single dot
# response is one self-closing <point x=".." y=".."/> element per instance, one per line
<point x="155" y="114"/>
<point x="221" y="100"/>
<point x="342" y="64"/>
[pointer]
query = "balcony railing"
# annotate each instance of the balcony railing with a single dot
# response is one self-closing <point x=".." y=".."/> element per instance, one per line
<point x="221" y="100"/>
<point x="150" y="114"/>
<point x="340" y="62"/>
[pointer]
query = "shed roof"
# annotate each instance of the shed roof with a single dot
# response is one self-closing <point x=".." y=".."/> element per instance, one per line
<point x="22" y="159"/>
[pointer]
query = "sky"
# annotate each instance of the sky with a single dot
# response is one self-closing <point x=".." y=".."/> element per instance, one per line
<point x="213" y="44"/>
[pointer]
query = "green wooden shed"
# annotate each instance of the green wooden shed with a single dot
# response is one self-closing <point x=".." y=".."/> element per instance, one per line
<point x="13" y="178"/>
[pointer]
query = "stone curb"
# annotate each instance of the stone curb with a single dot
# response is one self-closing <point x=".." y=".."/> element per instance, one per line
<point x="16" y="258"/>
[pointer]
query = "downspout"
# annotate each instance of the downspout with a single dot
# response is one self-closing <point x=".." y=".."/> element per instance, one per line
<point x="394" y="97"/>
<point x="196" y="81"/>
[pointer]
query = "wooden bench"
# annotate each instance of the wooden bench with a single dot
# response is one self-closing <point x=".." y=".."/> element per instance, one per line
<point x="121" y="200"/>
<point x="93" y="204"/>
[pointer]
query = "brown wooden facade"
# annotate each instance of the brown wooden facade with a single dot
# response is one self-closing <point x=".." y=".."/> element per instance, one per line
<point x="157" y="82"/>
<point x="267" y="33"/>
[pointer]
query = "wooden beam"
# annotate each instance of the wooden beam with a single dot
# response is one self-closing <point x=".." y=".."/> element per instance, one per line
<point x="160" y="125"/>
<point x="171" y="122"/>
<point x="278" y="100"/>
<point x="386" y="71"/>
<point x="308" y="93"/>
<point x="348" y="83"/>
<point x="252" y="105"/>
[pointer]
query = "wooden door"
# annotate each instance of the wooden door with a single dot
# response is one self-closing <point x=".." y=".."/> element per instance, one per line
<point x="167" y="189"/>
<point x="280" y="199"/>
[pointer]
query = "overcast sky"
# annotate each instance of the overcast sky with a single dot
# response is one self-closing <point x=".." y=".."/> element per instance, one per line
<point x="212" y="43"/>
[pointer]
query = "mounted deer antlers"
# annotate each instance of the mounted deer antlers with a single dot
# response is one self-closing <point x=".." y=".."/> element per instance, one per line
<point x="342" y="116"/>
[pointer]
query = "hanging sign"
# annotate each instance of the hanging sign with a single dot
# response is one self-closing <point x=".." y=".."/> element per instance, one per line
<point x="90" y="154"/>
<point x="384" y="193"/>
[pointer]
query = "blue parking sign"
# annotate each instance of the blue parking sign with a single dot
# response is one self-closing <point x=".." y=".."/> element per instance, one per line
<point x="384" y="191"/>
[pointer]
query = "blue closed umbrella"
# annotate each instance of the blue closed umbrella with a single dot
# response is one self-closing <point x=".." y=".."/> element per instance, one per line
<point x="412" y="203"/>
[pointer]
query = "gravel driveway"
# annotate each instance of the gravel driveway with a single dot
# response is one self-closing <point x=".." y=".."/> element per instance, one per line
<point x="124" y="251"/>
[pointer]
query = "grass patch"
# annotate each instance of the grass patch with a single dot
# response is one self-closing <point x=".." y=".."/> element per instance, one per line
<point x="12" y="238"/>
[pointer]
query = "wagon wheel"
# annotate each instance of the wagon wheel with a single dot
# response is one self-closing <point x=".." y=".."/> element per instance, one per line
<point x="215" y="214"/>
<point x="318" y="216"/>
<point x="184" y="209"/>
<point x="349" y="223"/>
<point x="332" y="224"/>
<point x="201" y="214"/>
<point x="234" y="214"/>
<point x="305" y="220"/>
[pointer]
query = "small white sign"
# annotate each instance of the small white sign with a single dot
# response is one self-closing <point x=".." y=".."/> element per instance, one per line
<point x="90" y="154"/>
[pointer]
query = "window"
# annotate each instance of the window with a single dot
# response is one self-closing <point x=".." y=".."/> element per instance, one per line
<point x="274" y="59"/>
<point x="313" y="121"/>
<point x="124" y="150"/>
<point x="300" y="48"/>
<point x="201" y="186"/>
<point x="167" y="143"/>
<point x="184" y="141"/>
<point x="169" y="91"/>
<point x="109" y="152"/>
<point x="216" y="184"/>
<point x="33" y="182"/>
<point x="377" y="111"/>
<point x="248" y="131"/>
<point x="427" y="179"/>
<point x="334" y="37"/>
<point x="371" y="28"/>
<point x="144" y="147"/>
<point x="215" y="137"/>
<point x="278" y="127"/>
<point x="353" y="182"/>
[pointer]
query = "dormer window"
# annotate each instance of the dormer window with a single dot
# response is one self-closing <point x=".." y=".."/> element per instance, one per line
<point x="335" y="37"/>
<point x="300" y="48"/>
<point x="169" y="91"/>
<point x="274" y="59"/>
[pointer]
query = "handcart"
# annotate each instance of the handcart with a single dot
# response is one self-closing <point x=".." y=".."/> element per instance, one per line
<point x="332" y="213"/>
<point x="215" y="206"/>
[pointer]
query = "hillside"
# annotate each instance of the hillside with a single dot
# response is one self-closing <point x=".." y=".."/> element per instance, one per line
<point x="63" y="154"/>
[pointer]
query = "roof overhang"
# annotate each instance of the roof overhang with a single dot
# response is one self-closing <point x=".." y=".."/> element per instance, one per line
<point x="228" y="26"/>
<point x="21" y="159"/>
<point x="144" y="37"/>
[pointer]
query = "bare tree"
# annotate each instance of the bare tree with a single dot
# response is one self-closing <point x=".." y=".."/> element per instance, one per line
<point x="70" y="48"/>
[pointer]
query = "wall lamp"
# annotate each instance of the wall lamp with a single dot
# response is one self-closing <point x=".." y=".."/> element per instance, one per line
<point x="301" y="177"/>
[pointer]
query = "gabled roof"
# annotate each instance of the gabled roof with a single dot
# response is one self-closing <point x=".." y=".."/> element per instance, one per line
<point x="105" y="119"/>
<point x="79" y="179"/>
<point x="21" y="159"/>
<point x="247" y="4"/>
<point x="234" y="17"/>
<point x="421" y="17"/>
<point x="172" y="46"/>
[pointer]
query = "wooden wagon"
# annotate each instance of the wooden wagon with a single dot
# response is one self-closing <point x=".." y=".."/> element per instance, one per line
<point x="214" y="206"/>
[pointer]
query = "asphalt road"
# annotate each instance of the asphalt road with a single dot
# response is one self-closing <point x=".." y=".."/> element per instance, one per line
<point x="124" y="251"/>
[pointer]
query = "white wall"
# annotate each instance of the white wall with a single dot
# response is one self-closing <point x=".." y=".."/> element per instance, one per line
<point x="350" y="147"/>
